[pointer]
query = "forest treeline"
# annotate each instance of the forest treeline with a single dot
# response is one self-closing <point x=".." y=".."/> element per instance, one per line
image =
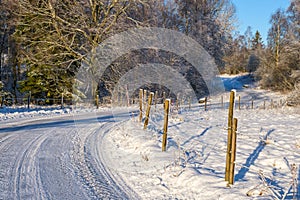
<point x="44" y="42"/>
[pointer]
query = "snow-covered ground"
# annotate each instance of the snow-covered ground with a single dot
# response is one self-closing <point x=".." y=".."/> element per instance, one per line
<point x="94" y="155"/>
<point x="8" y="113"/>
<point x="193" y="166"/>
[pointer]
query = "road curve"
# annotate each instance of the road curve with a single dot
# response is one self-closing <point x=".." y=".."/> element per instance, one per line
<point x="58" y="158"/>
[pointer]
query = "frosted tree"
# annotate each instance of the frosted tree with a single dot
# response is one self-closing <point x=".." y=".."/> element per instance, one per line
<point x="292" y="55"/>
<point x="9" y="65"/>
<point x="257" y="42"/>
<point x="255" y="53"/>
<point x="282" y="54"/>
<point x="237" y="56"/>
<point x="56" y="36"/>
<point x="210" y="22"/>
<point x="278" y="34"/>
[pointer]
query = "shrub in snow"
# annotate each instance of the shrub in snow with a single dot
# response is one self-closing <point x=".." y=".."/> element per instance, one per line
<point x="294" y="98"/>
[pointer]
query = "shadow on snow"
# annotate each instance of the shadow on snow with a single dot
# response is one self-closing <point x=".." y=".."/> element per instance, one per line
<point x="251" y="159"/>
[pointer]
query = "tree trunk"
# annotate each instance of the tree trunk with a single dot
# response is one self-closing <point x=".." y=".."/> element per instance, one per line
<point x="277" y="47"/>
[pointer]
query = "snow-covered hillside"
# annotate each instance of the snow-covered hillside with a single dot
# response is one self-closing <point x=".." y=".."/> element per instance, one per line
<point x="96" y="155"/>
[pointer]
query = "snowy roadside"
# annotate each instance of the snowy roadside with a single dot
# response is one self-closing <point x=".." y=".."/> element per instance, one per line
<point x="193" y="167"/>
<point x="194" y="164"/>
<point x="18" y="113"/>
<point x="7" y="113"/>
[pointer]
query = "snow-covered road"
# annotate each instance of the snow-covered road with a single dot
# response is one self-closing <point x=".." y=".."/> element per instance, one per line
<point x="107" y="154"/>
<point x="58" y="158"/>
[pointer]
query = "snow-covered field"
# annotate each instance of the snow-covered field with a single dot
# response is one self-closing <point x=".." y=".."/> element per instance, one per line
<point x="193" y="167"/>
<point x="96" y="155"/>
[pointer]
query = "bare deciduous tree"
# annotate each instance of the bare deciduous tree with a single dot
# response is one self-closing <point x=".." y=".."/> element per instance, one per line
<point x="58" y="35"/>
<point x="208" y="22"/>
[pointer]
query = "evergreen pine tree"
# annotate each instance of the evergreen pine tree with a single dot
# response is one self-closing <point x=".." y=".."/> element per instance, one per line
<point x="256" y="51"/>
<point x="257" y="42"/>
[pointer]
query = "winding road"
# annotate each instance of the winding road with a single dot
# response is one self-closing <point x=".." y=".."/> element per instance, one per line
<point x="59" y="158"/>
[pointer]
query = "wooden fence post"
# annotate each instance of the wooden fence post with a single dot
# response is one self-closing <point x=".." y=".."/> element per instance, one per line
<point x="280" y="102"/>
<point x="164" y="96"/>
<point x="155" y="98"/>
<point x="97" y="101"/>
<point x="148" y="110"/>
<point x="62" y="101"/>
<point x="177" y="104"/>
<point x="264" y="104"/>
<point x="272" y="104"/>
<point x="28" y="100"/>
<point x="120" y="99"/>
<point x="229" y="137"/>
<point x="205" y="104"/>
<point x="145" y="99"/>
<point x="141" y="105"/>
<point x="233" y="151"/>
<point x="1" y="102"/>
<point x="164" y="142"/>
<point x="127" y="96"/>
<point x="252" y="104"/>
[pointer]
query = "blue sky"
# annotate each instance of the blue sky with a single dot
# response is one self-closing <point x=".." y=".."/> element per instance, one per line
<point x="257" y="14"/>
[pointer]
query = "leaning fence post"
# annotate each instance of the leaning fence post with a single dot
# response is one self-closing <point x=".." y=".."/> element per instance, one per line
<point x="229" y="137"/>
<point x="141" y="105"/>
<point x="148" y="110"/>
<point x="239" y="102"/>
<point x="166" y="106"/>
<point x="145" y="99"/>
<point x="233" y="151"/>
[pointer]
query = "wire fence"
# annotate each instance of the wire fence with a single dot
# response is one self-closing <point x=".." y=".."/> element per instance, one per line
<point x="185" y="103"/>
<point x="261" y="140"/>
<point x="177" y="106"/>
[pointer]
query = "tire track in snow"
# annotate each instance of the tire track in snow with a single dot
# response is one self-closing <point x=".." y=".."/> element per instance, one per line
<point x="93" y="156"/>
<point x="5" y="139"/>
<point x="58" y="160"/>
<point x="10" y="159"/>
<point x="91" y="171"/>
<point x="82" y="173"/>
<point x="57" y="169"/>
<point x="26" y="184"/>
<point x="18" y="155"/>
<point x="22" y="174"/>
